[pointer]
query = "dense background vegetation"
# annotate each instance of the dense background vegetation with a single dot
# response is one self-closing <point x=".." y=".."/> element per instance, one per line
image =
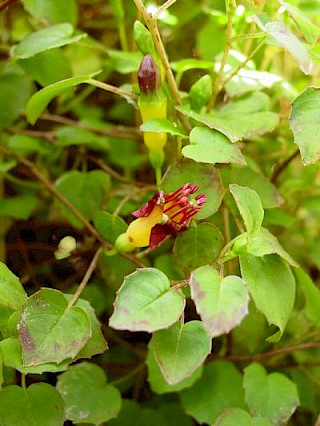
<point x="219" y="324"/>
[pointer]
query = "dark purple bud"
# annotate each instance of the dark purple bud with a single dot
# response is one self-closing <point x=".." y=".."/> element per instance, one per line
<point x="148" y="75"/>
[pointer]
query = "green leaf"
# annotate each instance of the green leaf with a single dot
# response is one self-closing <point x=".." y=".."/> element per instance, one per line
<point x="206" y="241"/>
<point x="206" y="176"/>
<point x="304" y="122"/>
<point x="52" y="11"/>
<point x="145" y="302"/>
<point x="309" y="30"/>
<point x="159" y="125"/>
<point x="273" y="396"/>
<point x="250" y="207"/>
<point x="221" y="303"/>
<point x="109" y="226"/>
<point x="86" y="191"/>
<point x="15" y="91"/>
<point x="238" y="417"/>
<point x="12" y="294"/>
<point x="158" y="383"/>
<point x="12" y="357"/>
<point x="200" y="92"/>
<point x="97" y="343"/>
<point x="311" y="294"/>
<point x="180" y="350"/>
<point x="23" y="145"/>
<point x="19" y="206"/>
<point x="262" y="244"/>
<point x="67" y="135"/>
<point x="38" y="102"/>
<point x="47" y="67"/>
<point x="239" y="119"/>
<point x="219" y="388"/>
<point x="39" y="404"/>
<point x="48" y="38"/>
<point x="272" y="287"/>
<point x="50" y="331"/>
<point x="125" y="62"/>
<point x="283" y="37"/>
<point x="211" y="146"/>
<point x="143" y="38"/>
<point x="87" y="396"/>
<point x="190" y="64"/>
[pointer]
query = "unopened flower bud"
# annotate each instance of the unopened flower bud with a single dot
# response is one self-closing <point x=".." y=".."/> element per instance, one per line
<point x="148" y="75"/>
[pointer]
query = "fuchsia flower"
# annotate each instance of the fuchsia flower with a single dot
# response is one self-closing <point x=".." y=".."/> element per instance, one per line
<point x="163" y="215"/>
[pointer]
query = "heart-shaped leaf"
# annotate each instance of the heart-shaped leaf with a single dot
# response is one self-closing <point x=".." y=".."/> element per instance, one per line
<point x="158" y="383"/>
<point x="87" y="396"/>
<point x="39" y="404"/>
<point x="239" y="417"/>
<point x="273" y="396"/>
<point x="180" y="350"/>
<point x="50" y="331"/>
<point x="145" y="302"/>
<point x="221" y="304"/>
<point x="211" y="146"/>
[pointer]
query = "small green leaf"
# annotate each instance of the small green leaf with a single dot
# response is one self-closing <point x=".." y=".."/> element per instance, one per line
<point x="200" y="92"/>
<point x="50" y="331"/>
<point x="206" y="176"/>
<point x="250" y="207"/>
<point x="19" y="206"/>
<point x="12" y="294"/>
<point x="53" y="11"/>
<point x="145" y="302"/>
<point x="206" y="241"/>
<point x="39" y="404"/>
<point x="272" y="287"/>
<point x="87" y="396"/>
<point x="283" y="37"/>
<point x="311" y="294"/>
<point x="15" y="90"/>
<point x="180" y="350"/>
<point x="219" y="388"/>
<point x="143" y="38"/>
<point x="309" y="30"/>
<point x="265" y="243"/>
<point x="125" y="62"/>
<point x="304" y="122"/>
<point x="190" y="64"/>
<point x="86" y="191"/>
<point x="238" y="119"/>
<point x="273" y="396"/>
<point x="55" y="36"/>
<point x="221" y="304"/>
<point x="159" y="125"/>
<point x="38" y="102"/>
<point x="211" y="146"/>
<point x="239" y="417"/>
<point x="109" y="226"/>
<point x="158" y="383"/>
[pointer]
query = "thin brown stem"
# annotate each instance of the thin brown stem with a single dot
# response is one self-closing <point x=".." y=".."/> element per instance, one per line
<point x="270" y="354"/>
<point x="282" y="166"/>
<point x="6" y="4"/>
<point x="217" y="86"/>
<point x="85" y="279"/>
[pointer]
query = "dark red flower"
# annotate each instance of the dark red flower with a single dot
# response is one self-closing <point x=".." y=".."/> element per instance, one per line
<point x="164" y="215"/>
